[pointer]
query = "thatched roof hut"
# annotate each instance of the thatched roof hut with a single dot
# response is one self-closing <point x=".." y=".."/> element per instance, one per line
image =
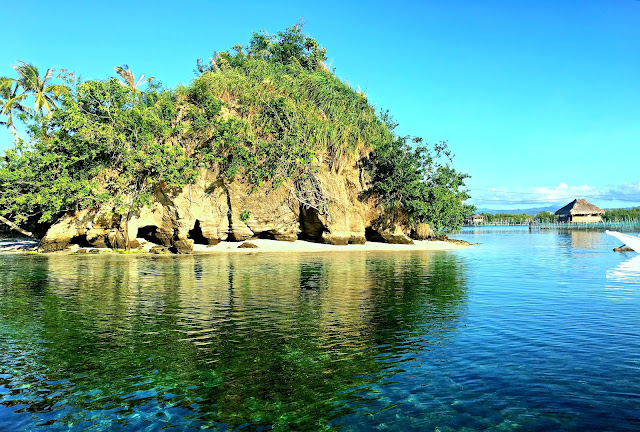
<point x="580" y="210"/>
<point x="474" y="220"/>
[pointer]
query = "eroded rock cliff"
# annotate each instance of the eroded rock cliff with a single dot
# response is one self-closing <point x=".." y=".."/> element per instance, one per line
<point x="215" y="209"/>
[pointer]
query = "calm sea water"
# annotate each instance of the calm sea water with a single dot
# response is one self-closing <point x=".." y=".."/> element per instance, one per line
<point x="527" y="331"/>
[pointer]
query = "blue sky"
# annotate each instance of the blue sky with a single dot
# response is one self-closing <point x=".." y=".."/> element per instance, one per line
<point x="539" y="100"/>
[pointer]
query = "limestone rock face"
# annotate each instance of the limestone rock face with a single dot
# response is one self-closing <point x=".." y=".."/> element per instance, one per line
<point x="68" y="227"/>
<point x="159" y="250"/>
<point x="215" y="209"/>
<point x="422" y="232"/>
<point x="346" y="215"/>
<point x="396" y="236"/>
<point x="264" y="212"/>
<point x="86" y="228"/>
<point x="247" y="245"/>
<point x="196" y="214"/>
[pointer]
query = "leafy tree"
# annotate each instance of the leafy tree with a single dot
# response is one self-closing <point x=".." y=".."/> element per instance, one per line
<point x="283" y="48"/>
<point x="44" y="93"/>
<point x="103" y="145"/>
<point x="419" y="183"/>
<point x="287" y="46"/>
<point x="545" y="216"/>
<point x="629" y="214"/>
<point x="507" y="218"/>
<point x="11" y="101"/>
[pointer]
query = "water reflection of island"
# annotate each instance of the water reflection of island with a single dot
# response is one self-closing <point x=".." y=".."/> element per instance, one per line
<point x="247" y="338"/>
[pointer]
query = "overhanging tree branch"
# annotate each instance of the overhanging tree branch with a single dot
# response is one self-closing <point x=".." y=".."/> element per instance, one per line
<point x="16" y="227"/>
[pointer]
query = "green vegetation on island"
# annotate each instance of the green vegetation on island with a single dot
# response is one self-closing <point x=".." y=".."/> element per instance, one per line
<point x="269" y="112"/>
<point x="618" y="215"/>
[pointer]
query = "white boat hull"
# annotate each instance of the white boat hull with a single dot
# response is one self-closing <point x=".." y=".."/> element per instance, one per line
<point x="630" y="241"/>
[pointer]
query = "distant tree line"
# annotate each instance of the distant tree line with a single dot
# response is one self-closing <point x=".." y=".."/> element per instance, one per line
<point x="518" y="218"/>
<point x="611" y="215"/>
<point x="622" y="214"/>
<point x="506" y="217"/>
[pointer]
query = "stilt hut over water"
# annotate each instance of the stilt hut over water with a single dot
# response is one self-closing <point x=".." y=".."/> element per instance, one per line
<point x="581" y="211"/>
<point x="474" y="220"/>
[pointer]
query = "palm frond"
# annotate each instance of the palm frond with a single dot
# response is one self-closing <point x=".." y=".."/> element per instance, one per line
<point x="48" y="74"/>
<point x="128" y="79"/>
<point x="140" y="80"/>
<point x="5" y="85"/>
<point x="29" y="76"/>
<point x="56" y="89"/>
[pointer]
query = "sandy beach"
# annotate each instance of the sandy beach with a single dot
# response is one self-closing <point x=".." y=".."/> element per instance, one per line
<point x="270" y="246"/>
<point x="304" y="246"/>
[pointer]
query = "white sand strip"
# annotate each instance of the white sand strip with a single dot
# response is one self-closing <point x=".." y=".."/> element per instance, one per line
<point x="304" y="246"/>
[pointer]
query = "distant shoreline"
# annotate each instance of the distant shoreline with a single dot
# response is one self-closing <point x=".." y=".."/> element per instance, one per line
<point x="23" y="245"/>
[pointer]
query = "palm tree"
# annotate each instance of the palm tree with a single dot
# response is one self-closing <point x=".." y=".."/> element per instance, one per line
<point x="128" y="79"/>
<point x="45" y="94"/>
<point x="11" y="101"/>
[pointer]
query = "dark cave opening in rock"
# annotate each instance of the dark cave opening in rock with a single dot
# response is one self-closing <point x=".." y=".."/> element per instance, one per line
<point x="196" y="234"/>
<point x="267" y="235"/>
<point x="81" y="241"/>
<point x="311" y="228"/>
<point x="373" y="236"/>
<point x="149" y="233"/>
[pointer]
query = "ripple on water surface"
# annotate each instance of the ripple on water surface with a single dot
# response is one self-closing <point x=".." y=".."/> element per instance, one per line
<point x="538" y="336"/>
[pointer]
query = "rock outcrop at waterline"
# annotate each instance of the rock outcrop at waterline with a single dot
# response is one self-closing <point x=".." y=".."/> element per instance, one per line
<point x="214" y="209"/>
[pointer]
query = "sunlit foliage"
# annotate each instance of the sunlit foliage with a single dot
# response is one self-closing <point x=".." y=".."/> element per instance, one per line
<point x="269" y="112"/>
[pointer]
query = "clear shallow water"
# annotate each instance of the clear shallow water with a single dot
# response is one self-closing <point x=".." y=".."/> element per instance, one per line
<point x="527" y="331"/>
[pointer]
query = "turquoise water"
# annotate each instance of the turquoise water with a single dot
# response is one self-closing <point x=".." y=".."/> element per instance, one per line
<point x="526" y="331"/>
